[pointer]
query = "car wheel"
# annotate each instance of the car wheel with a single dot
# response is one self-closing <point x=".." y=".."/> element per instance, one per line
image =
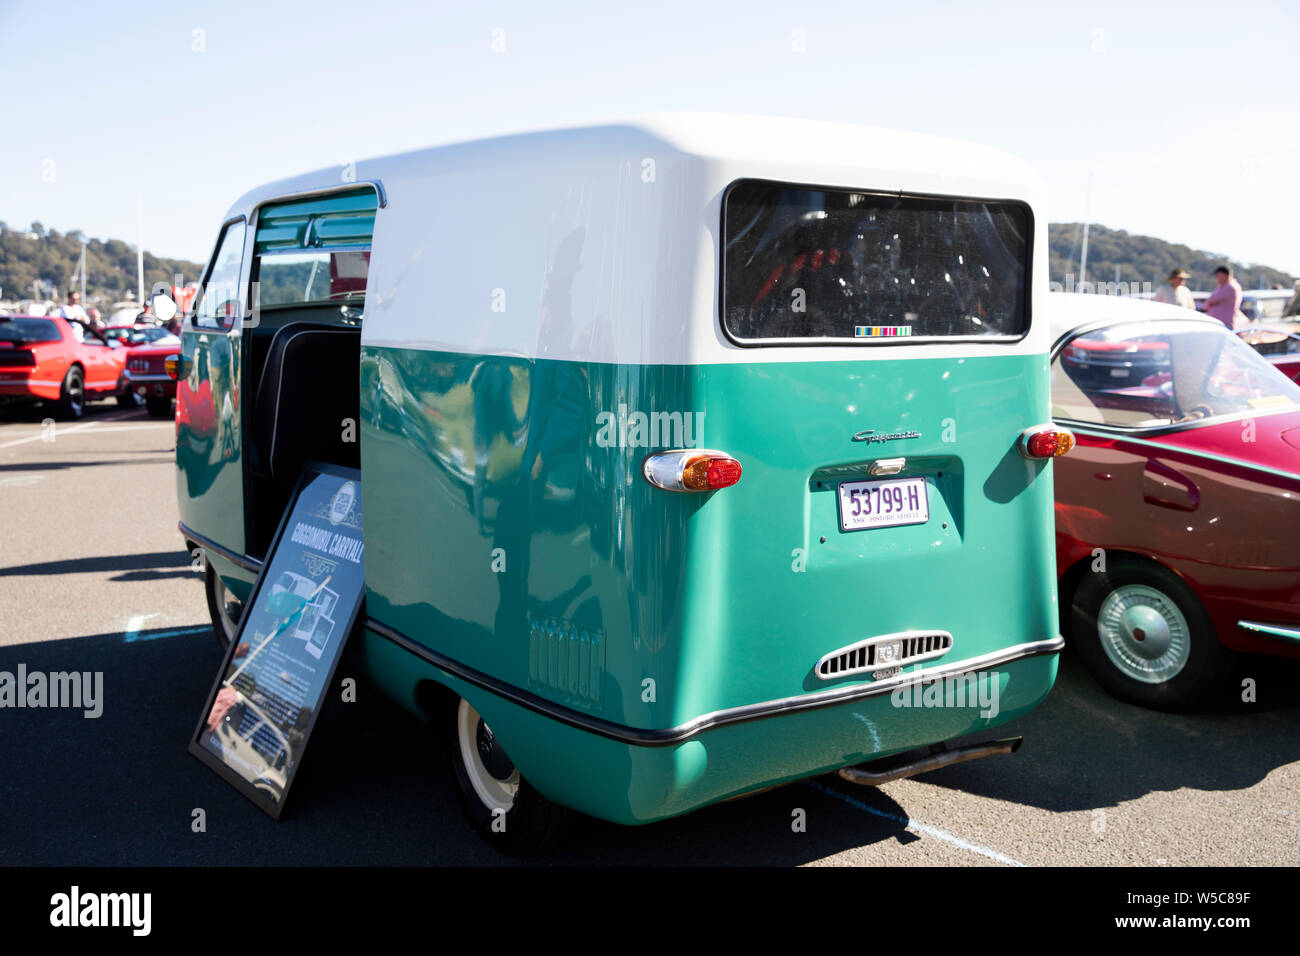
<point x="159" y="406"/>
<point x="127" y="397"/>
<point x="1143" y="634"/>
<point x="504" y="807"/>
<point x="223" y="607"/>
<point x="72" y="396"/>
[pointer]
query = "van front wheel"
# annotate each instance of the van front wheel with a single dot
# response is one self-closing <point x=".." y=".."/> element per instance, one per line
<point x="223" y="607"/>
<point x="505" y="808"/>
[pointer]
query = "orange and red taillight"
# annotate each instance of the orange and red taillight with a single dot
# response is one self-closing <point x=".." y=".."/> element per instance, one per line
<point x="173" y="366"/>
<point x="691" y="469"/>
<point x="1045" y="441"/>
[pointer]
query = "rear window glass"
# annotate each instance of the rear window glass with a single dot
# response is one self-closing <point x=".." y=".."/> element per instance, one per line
<point x="23" y="331"/>
<point x="805" y="265"/>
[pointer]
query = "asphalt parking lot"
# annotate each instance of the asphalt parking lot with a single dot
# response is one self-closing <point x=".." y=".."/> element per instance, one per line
<point x="93" y="577"/>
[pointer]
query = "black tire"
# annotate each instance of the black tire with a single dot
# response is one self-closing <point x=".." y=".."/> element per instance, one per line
<point x="530" y="824"/>
<point x="127" y="397"/>
<point x="159" y="406"/>
<point x="72" y="395"/>
<point x="224" y="626"/>
<point x="1144" y="593"/>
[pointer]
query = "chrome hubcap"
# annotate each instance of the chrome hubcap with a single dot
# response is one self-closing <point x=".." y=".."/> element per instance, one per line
<point x="1144" y="634"/>
<point x="491" y="773"/>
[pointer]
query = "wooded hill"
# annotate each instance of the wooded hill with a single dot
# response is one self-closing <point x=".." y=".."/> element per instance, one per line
<point x="37" y="263"/>
<point x="1146" y="259"/>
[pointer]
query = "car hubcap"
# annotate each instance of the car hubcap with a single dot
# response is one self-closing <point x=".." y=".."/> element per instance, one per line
<point x="1144" y="634"/>
<point x="75" y="396"/>
<point x="491" y="773"/>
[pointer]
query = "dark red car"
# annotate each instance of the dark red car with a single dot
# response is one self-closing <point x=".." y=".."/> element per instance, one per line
<point x="63" y="363"/>
<point x="146" y="374"/>
<point x="1178" y="511"/>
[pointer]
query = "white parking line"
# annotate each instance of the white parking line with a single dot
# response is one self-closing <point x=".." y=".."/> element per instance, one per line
<point x="918" y="827"/>
<point x="62" y="431"/>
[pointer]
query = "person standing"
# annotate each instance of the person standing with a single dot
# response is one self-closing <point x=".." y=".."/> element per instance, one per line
<point x="1224" y="302"/>
<point x="1175" y="291"/>
<point x="73" y="309"/>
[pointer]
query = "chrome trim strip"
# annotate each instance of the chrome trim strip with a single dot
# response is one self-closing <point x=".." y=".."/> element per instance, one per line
<point x="1272" y="630"/>
<point x="720" y="718"/>
<point x="245" y="561"/>
<point x="145" y="377"/>
<point x="1094" y="431"/>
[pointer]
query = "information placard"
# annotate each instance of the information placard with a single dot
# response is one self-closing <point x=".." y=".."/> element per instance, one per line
<point x="268" y="694"/>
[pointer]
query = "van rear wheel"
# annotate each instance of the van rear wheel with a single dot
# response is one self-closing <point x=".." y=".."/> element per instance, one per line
<point x="223" y="607"/>
<point x="1145" y="637"/>
<point x="506" y="810"/>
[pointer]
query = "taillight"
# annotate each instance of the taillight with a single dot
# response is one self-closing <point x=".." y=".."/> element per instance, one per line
<point x="1045" y="441"/>
<point x="173" y="366"/>
<point x="691" y="469"/>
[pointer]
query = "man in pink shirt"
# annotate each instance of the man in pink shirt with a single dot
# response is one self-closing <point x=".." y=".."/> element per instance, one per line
<point x="1224" y="302"/>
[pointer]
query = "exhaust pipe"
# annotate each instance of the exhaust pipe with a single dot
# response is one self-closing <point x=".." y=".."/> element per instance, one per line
<point x="940" y="755"/>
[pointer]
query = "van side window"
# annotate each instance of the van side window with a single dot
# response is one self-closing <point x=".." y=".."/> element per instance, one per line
<point x="314" y="252"/>
<point x="806" y="264"/>
<point x="218" y="303"/>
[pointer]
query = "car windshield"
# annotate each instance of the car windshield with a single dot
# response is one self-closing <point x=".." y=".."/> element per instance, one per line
<point x="23" y="331"/>
<point x="1153" y="374"/>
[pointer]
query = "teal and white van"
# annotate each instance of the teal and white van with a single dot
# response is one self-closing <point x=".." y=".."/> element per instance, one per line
<point x="698" y="455"/>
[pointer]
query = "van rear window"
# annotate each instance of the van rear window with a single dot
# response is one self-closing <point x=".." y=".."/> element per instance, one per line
<point x="804" y="265"/>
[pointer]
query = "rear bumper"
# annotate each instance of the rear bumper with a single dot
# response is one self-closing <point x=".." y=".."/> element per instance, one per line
<point x="158" y="386"/>
<point x="631" y="776"/>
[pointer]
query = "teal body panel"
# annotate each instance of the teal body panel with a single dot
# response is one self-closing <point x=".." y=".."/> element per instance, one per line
<point x="209" y="443"/>
<point x="631" y="785"/>
<point x="574" y="579"/>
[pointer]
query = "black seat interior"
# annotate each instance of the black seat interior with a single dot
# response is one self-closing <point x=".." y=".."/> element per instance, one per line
<point x="310" y="384"/>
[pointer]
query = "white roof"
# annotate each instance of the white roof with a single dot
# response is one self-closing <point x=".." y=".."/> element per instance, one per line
<point x="915" y="162"/>
<point x="1071" y="310"/>
<point x="625" y="219"/>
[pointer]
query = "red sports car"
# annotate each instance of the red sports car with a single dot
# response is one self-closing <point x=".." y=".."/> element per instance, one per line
<point x="1178" y="512"/>
<point x="60" y="362"/>
<point x="146" y="374"/>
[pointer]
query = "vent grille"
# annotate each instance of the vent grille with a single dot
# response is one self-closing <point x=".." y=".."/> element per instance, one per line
<point x="885" y="652"/>
<point x="566" y="659"/>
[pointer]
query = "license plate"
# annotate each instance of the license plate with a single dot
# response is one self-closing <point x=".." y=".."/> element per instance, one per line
<point x="883" y="504"/>
<point x="1119" y="373"/>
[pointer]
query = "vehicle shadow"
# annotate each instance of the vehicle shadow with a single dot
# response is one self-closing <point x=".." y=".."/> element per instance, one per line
<point x="375" y="788"/>
<point x="1085" y="750"/>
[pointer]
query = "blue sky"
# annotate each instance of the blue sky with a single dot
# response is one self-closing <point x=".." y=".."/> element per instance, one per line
<point x="1186" y="115"/>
